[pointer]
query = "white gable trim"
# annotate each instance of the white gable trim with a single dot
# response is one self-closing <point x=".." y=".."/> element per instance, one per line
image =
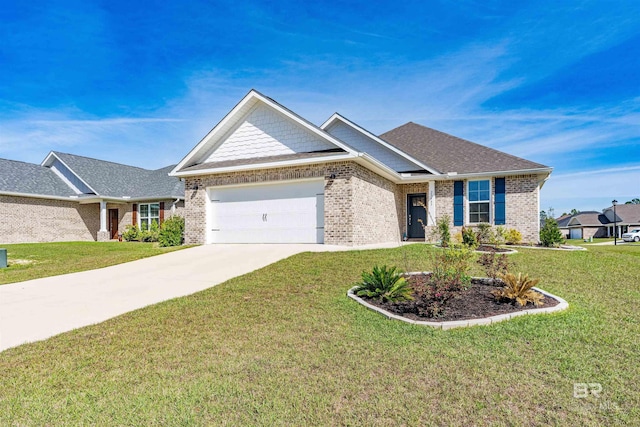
<point x="266" y="165"/>
<point x="337" y="117"/>
<point x="229" y="121"/>
<point x="48" y="161"/>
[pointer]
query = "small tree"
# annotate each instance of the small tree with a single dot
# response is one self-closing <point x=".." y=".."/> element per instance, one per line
<point x="442" y="227"/>
<point x="550" y="235"/>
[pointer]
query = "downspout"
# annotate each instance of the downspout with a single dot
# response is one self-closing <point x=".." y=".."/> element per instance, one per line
<point x="173" y="206"/>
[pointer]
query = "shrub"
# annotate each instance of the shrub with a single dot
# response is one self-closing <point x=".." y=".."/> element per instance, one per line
<point x="457" y="238"/>
<point x="484" y="234"/>
<point x="512" y="236"/>
<point x="385" y="284"/>
<point x="131" y="233"/>
<point x="469" y="238"/>
<point x="171" y="231"/>
<point x="518" y="289"/>
<point x="442" y="231"/>
<point x="498" y="235"/>
<point x="152" y="234"/>
<point x="450" y="277"/>
<point x="494" y="265"/>
<point x="550" y="235"/>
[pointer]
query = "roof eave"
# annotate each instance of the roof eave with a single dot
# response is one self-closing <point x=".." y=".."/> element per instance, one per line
<point x="38" y="196"/>
<point x="268" y="165"/>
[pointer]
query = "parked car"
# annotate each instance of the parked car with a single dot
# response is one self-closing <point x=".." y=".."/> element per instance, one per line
<point x="632" y="236"/>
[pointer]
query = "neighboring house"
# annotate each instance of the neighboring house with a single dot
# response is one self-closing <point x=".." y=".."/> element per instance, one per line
<point x="601" y="224"/>
<point x="69" y="197"/>
<point x="585" y="225"/>
<point x="266" y="175"/>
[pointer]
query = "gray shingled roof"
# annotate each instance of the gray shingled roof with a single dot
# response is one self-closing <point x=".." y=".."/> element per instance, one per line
<point x="590" y="218"/>
<point x="447" y="153"/>
<point x="110" y="179"/>
<point x="627" y="214"/>
<point x="28" y="178"/>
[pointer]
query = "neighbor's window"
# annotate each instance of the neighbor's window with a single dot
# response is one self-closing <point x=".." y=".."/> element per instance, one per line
<point x="148" y="213"/>
<point x="479" y="201"/>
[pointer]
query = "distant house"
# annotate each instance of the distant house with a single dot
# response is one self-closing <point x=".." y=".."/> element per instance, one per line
<point x="600" y="224"/>
<point x="69" y="197"/>
<point x="585" y="225"/>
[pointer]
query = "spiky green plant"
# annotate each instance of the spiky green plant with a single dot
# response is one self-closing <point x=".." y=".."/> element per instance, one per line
<point x="518" y="289"/>
<point x="384" y="283"/>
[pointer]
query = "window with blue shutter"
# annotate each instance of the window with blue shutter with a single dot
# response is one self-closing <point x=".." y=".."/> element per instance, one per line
<point x="458" y="203"/>
<point x="500" y="217"/>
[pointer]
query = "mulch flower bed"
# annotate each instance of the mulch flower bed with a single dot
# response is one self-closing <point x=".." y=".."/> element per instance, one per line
<point x="474" y="303"/>
<point x="495" y="249"/>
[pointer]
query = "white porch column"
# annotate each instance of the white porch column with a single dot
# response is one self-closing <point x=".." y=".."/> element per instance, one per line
<point x="103" y="215"/>
<point x="431" y="204"/>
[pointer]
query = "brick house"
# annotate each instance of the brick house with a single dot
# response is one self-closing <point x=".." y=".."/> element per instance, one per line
<point x="70" y="198"/>
<point x="585" y="225"/>
<point x="264" y="174"/>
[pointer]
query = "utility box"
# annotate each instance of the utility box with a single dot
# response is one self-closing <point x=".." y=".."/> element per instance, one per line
<point x="3" y="258"/>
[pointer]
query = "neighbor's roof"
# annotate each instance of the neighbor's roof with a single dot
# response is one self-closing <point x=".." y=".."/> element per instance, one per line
<point x="627" y="213"/>
<point x="29" y="178"/>
<point x="589" y="219"/>
<point x="109" y="179"/>
<point x="447" y="153"/>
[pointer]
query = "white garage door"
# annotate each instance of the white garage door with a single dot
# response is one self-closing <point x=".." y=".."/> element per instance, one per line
<point x="291" y="212"/>
<point x="575" y="233"/>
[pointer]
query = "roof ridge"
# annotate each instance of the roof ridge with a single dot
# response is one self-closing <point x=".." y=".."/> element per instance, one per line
<point x="19" y="161"/>
<point x="103" y="161"/>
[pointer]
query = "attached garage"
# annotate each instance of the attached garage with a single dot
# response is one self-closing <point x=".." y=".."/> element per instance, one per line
<point x="281" y="212"/>
<point x="575" y="233"/>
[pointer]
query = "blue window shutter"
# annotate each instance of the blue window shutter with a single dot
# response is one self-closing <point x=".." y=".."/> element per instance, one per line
<point x="500" y="217"/>
<point x="458" y="203"/>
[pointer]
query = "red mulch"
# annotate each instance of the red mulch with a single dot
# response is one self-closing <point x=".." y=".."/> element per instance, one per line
<point x="475" y="303"/>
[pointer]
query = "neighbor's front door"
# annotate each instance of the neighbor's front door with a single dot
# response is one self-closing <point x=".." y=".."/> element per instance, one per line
<point x="416" y="210"/>
<point x="113" y="223"/>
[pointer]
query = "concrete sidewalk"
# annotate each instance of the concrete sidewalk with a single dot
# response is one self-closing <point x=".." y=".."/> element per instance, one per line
<point x="41" y="308"/>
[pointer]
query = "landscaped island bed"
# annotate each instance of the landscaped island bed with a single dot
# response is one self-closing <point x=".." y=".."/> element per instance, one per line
<point x="477" y="302"/>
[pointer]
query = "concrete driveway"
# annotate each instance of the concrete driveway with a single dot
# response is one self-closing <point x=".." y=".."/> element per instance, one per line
<point x="41" y="308"/>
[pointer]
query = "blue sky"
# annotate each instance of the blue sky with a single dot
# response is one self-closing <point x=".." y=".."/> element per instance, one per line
<point x="142" y="82"/>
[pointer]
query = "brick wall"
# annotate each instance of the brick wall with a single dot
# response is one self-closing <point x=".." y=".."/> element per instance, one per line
<point x="521" y="202"/>
<point x="375" y="208"/>
<point x="31" y="220"/>
<point x="360" y="206"/>
<point x="34" y="220"/>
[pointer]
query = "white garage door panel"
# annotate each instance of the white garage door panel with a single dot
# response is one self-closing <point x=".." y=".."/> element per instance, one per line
<point x="575" y="233"/>
<point x="270" y="213"/>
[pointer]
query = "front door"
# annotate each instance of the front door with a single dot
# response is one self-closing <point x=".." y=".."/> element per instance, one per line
<point x="416" y="215"/>
<point x="113" y="223"/>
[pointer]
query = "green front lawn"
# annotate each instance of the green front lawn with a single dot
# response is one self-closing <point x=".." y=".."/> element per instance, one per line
<point x="35" y="260"/>
<point x="284" y="346"/>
